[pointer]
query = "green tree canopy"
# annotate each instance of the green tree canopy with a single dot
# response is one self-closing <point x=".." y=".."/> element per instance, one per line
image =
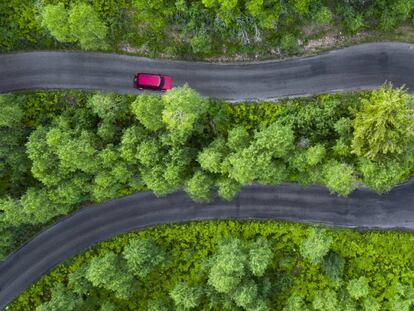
<point x="316" y="245"/>
<point x="383" y="126"/>
<point x="80" y="23"/>
<point x="142" y="256"/>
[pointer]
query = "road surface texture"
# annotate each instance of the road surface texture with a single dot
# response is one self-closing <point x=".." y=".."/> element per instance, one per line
<point x="67" y="237"/>
<point x="363" y="66"/>
<point x="358" y="67"/>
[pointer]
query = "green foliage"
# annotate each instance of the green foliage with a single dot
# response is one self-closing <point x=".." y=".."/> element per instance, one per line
<point x="200" y="28"/>
<point x="333" y="266"/>
<point x="339" y="177"/>
<point x="110" y="272"/>
<point x="199" y="187"/>
<point x="383" y="125"/>
<point x="80" y="24"/>
<point x="382" y="257"/>
<point x="288" y="42"/>
<point x="92" y="147"/>
<point x="183" y="107"/>
<point x="61" y="300"/>
<point x="294" y="303"/>
<point x="325" y="300"/>
<point x="316" y="245"/>
<point x="358" y="288"/>
<point x="148" y="110"/>
<point x="186" y="297"/>
<point x="56" y="19"/>
<point x="236" y="272"/>
<point x="142" y="256"/>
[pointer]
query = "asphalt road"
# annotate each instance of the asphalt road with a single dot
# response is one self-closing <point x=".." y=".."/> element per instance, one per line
<point x="363" y="66"/>
<point x="362" y="209"/>
<point x="358" y="67"/>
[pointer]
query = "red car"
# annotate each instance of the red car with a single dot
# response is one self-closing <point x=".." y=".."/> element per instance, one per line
<point x="152" y="81"/>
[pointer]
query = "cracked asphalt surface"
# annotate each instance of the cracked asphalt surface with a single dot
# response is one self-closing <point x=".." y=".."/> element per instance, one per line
<point x="363" y="66"/>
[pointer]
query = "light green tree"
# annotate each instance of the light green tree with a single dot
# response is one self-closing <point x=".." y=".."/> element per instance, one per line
<point x="55" y="18"/>
<point x="148" y="110"/>
<point x="358" y="288"/>
<point x="80" y="24"/>
<point x="325" y="300"/>
<point x="185" y="296"/>
<point x="383" y="126"/>
<point x="238" y="138"/>
<point x="295" y="303"/>
<point x="211" y="157"/>
<point x="86" y="25"/>
<point x="105" y="106"/>
<point x="199" y="187"/>
<point x="111" y="273"/>
<point x="316" y="245"/>
<point x="183" y="107"/>
<point x="62" y="299"/>
<point x="143" y="256"/>
<point x="338" y="177"/>
<point x="260" y="256"/>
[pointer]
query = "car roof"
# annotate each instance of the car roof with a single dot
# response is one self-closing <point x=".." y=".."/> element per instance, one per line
<point x="149" y="79"/>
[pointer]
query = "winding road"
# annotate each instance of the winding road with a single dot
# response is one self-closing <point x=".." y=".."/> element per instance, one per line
<point x="363" y="66"/>
<point x="358" y="67"/>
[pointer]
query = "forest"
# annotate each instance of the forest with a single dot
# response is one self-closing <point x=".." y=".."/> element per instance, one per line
<point x="232" y="265"/>
<point x="194" y="29"/>
<point x="64" y="150"/>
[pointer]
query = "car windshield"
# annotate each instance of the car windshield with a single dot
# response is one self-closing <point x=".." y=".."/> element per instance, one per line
<point x="161" y="82"/>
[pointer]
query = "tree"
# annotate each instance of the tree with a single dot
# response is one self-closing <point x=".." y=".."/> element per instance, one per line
<point x="148" y="110"/>
<point x="358" y="288"/>
<point x="186" y="297"/>
<point x="227" y="188"/>
<point x="199" y="186"/>
<point x="78" y="282"/>
<point x="183" y="107"/>
<point x="14" y="164"/>
<point x="260" y="256"/>
<point x="295" y="303"/>
<point x="86" y="25"/>
<point x="111" y="273"/>
<point x="157" y="305"/>
<point x="105" y="106"/>
<point x="143" y="256"/>
<point x="55" y="18"/>
<point x="227" y="266"/>
<point x="333" y="265"/>
<point x="338" y="177"/>
<point x="79" y="24"/>
<point x="211" y="158"/>
<point x="370" y="304"/>
<point x="316" y="245"/>
<point x="238" y="138"/>
<point x="381" y="176"/>
<point x="325" y="300"/>
<point x="383" y="126"/>
<point x="277" y="139"/>
<point x="61" y="300"/>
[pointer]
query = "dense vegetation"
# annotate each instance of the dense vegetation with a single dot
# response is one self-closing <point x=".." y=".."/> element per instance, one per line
<point x="223" y="264"/>
<point x="83" y="147"/>
<point x="200" y="27"/>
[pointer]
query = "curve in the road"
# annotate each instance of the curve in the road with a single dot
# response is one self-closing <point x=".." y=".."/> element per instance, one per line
<point x="363" y="209"/>
<point x="357" y="67"/>
<point x="362" y="66"/>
